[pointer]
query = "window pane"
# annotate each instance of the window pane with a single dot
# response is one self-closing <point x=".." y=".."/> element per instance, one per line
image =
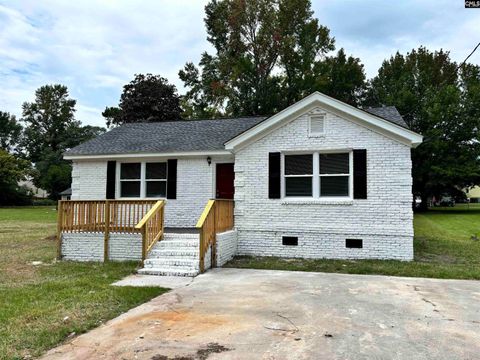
<point x="156" y="170"/>
<point x="334" y="163"/>
<point x="130" y="171"/>
<point x="334" y="186"/>
<point x="298" y="186"/>
<point x="156" y="188"/>
<point x="130" y="188"/>
<point x="298" y="164"/>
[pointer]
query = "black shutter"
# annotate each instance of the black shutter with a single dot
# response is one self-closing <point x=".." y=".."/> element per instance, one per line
<point x="274" y="175"/>
<point x="360" y="174"/>
<point x="172" y="179"/>
<point x="111" y="179"/>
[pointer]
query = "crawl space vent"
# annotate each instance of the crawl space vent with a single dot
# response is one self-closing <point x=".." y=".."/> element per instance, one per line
<point x="354" y="243"/>
<point x="290" y="240"/>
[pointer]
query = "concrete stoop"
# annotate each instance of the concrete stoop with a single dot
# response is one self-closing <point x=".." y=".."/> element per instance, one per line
<point x="176" y="255"/>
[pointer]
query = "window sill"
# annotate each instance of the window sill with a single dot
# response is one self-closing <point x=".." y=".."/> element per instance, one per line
<point x="300" y="201"/>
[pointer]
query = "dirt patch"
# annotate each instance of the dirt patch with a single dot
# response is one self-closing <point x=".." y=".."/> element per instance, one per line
<point x="201" y="354"/>
<point x="51" y="238"/>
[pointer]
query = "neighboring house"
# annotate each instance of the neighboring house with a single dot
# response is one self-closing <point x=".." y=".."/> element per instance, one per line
<point x="66" y="194"/>
<point x="320" y="179"/>
<point x="474" y="194"/>
<point x="37" y="192"/>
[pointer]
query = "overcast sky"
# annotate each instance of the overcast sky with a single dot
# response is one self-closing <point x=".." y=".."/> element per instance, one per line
<point x="95" y="47"/>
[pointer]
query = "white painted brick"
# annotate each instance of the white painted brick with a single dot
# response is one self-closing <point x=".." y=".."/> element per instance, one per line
<point x="383" y="221"/>
<point x="89" y="246"/>
<point x="226" y="246"/>
<point x="195" y="186"/>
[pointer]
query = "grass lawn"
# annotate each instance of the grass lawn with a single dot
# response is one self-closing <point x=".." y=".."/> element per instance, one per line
<point x="443" y="249"/>
<point x="42" y="305"/>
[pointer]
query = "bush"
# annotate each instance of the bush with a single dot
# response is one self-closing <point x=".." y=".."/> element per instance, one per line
<point x="16" y="196"/>
<point x="44" y="202"/>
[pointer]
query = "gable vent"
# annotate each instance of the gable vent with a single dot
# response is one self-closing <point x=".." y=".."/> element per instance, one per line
<point x="317" y="124"/>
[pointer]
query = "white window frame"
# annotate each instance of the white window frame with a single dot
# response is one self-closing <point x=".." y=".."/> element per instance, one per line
<point x="143" y="179"/>
<point x="316" y="175"/>
<point x="317" y="134"/>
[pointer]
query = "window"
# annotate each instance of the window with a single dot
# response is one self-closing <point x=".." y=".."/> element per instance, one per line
<point x="139" y="180"/>
<point x="298" y="175"/>
<point x="156" y="179"/>
<point x="334" y="174"/>
<point x="318" y="175"/>
<point x="130" y="180"/>
<point x="317" y="125"/>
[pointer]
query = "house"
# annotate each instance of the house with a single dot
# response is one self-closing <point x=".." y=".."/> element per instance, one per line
<point x="320" y="179"/>
<point x="37" y="192"/>
<point x="473" y="194"/>
<point x="66" y="194"/>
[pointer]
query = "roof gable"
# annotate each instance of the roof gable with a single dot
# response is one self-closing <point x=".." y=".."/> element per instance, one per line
<point x="390" y="128"/>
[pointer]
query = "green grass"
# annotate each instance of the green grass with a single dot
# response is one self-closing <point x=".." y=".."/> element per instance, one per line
<point x="40" y="306"/>
<point x="443" y="245"/>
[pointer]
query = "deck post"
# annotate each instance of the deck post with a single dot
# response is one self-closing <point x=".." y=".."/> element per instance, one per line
<point x="59" y="229"/>
<point x="106" y="231"/>
<point x="214" y="242"/>
<point x="143" y="231"/>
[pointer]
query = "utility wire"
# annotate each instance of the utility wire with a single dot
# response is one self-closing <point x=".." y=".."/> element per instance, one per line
<point x="473" y="51"/>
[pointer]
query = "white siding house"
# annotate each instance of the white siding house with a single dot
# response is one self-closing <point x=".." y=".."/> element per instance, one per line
<point x="320" y="179"/>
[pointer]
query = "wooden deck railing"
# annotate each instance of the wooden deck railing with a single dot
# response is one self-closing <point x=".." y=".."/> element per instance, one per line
<point x="216" y="217"/>
<point x="100" y="216"/>
<point x="151" y="227"/>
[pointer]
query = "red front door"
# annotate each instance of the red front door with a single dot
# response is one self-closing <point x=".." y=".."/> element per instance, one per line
<point x="224" y="180"/>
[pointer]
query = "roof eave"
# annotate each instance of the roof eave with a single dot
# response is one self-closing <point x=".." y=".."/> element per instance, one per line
<point x="147" y="155"/>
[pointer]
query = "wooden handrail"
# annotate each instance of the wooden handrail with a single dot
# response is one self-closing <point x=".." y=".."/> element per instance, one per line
<point x="206" y="211"/>
<point x="152" y="227"/>
<point x="103" y="216"/>
<point x="149" y="214"/>
<point x="216" y="217"/>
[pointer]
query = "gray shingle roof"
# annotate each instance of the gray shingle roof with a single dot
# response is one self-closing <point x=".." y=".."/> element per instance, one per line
<point x="185" y="135"/>
<point x="164" y="137"/>
<point x="67" y="191"/>
<point x="389" y="113"/>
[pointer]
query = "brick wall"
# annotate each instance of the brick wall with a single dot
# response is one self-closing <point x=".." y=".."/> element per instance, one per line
<point x="195" y="186"/>
<point x="383" y="220"/>
<point x="89" y="246"/>
<point x="226" y="246"/>
<point x="89" y="179"/>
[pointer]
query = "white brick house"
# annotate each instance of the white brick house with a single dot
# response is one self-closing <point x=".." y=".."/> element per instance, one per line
<point x="320" y="179"/>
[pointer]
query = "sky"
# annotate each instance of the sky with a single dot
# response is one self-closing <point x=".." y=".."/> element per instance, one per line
<point x="96" y="47"/>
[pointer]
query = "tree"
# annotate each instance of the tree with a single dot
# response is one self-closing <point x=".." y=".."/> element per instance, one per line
<point x="10" y="132"/>
<point x="12" y="171"/>
<point x="50" y="130"/>
<point x="439" y="100"/>
<point x="341" y="77"/>
<point x="147" y="98"/>
<point x="269" y="54"/>
<point x="48" y="121"/>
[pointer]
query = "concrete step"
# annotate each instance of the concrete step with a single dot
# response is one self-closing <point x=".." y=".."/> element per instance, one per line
<point x="171" y="244"/>
<point x="174" y="271"/>
<point x="179" y="252"/>
<point x="171" y="262"/>
<point x="175" y="236"/>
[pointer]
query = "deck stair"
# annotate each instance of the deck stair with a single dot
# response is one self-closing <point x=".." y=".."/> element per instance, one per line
<point x="177" y="254"/>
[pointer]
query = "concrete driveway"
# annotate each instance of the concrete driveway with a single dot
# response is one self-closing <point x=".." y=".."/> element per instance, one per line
<point x="258" y="314"/>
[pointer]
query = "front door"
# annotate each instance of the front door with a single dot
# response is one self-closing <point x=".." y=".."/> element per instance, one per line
<point x="224" y="181"/>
